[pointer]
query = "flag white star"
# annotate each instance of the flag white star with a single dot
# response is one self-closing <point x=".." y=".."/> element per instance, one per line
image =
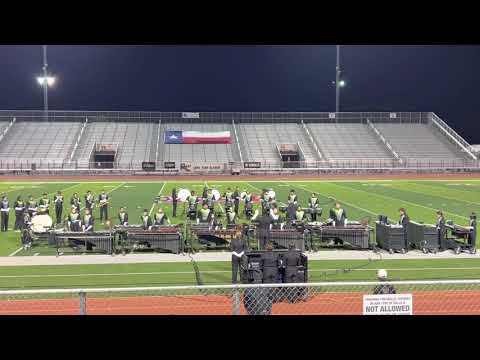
<point x="173" y="137"/>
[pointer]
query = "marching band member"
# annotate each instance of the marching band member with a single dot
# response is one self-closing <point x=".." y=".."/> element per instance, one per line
<point x="313" y="206"/>
<point x="404" y="221"/>
<point x="276" y="218"/>
<point x="248" y="208"/>
<point x="291" y="210"/>
<point x="204" y="214"/>
<point x="103" y="201"/>
<point x="236" y="199"/>
<point x="192" y="202"/>
<point x="216" y="223"/>
<point x="19" y="211"/>
<point x="160" y="218"/>
<point x="89" y="200"/>
<point x="123" y="217"/>
<point x="75" y="201"/>
<point x="74" y="221"/>
<point x="441" y="230"/>
<point x="210" y="200"/>
<point x="4" y="209"/>
<point x="44" y="203"/>
<point x="292" y="197"/>
<point x="87" y="221"/>
<point x="338" y="216"/>
<point x="58" y="200"/>
<point x="231" y="217"/>
<point x="228" y="200"/>
<point x="473" y="227"/>
<point x="265" y="202"/>
<point x="300" y="215"/>
<point x="174" y="202"/>
<point x="146" y="220"/>
<point x="32" y="206"/>
<point x="205" y="192"/>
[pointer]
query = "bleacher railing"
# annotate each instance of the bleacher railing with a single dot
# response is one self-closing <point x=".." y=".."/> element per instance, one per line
<point x="73" y="166"/>
<point x="443" y="297"/>
<point x="455" y="137"/>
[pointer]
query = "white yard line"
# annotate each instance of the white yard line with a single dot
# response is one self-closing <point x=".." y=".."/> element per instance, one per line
<point x="222" y="272"/>
<point x="405" y="201"/>
<point x="159" y="193"/>
<point x="342" y="201"/>
<point x="16" y="251"/>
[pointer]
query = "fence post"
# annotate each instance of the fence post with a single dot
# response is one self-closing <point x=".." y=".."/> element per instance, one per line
<point x="236" y="302"/>
<point x="83" y="302"/>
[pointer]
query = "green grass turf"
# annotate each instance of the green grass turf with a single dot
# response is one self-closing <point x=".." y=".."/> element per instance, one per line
<point x="361" y="199"/>
<point x="421" y="198"/>
<point x="169" y="274"/>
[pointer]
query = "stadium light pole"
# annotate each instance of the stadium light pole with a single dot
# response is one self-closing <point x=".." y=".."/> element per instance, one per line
<point x="338" y="84"/>
<point x="45" y="81"/>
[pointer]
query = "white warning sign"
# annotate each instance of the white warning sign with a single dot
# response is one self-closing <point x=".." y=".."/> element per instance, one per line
<point x="391" y="304"/>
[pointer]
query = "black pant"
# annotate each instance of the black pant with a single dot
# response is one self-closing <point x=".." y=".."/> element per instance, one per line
<point x="174" y="204"/>
<point x="264" y="239"/>
<point x="103" y="213"/>
<point x="237" y="206"/>
<point x="236" y="263"/>
<point x="58" y="213"/>
<point x="314" y="216"/>
<point x="18" y="221"/>
<point x="4" y="221"/>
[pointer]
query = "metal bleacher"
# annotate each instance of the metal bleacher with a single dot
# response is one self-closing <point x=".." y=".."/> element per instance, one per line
<point x="220" y="153"/>
<point x="39" y="141"/>
<point x="348" y="142"/>
<point x="65" y="140"/>
<point x="260" y="141"/>
<point x="134" y="140"/>
<point x="419" y="142"/>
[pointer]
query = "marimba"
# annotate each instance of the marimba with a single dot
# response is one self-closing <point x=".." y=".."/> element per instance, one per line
<point x="354" y="235"/>
<point x="86" y="241"/>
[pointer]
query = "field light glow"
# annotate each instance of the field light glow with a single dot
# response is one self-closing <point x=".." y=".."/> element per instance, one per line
<point x="50" y="80"/>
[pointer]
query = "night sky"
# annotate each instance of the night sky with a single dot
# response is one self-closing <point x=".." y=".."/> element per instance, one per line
<point x="442" y="79"/>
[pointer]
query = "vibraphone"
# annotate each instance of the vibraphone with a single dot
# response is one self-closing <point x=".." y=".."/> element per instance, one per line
<point x="282" y="238"/>
<point x="463" y="239"/>
<point x="85" y="241"/>
<point x="357" y="236"/>
<point x="167" y="238"/>
<point x="211" y="237"/>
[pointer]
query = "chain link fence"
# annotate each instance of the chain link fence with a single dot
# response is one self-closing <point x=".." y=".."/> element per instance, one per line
<point x="460" y="297"/>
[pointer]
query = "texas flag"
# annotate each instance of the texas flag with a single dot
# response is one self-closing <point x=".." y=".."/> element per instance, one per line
<point x="197" y="137"/>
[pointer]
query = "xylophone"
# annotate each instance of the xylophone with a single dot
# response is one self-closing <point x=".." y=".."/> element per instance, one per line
<point x="214" y="236"/>
<point x="354" y="235"/>
<point x="281" y="239"/>
<point x="168" y="237"/>
<point x="87" y="241"/>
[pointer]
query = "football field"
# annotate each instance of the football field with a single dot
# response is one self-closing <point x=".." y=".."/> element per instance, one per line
<point x="362" y="199"/>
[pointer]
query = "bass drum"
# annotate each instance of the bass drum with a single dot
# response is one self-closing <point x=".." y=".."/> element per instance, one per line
<point x="183" y="194"/>
<point x="41" y="224"/>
